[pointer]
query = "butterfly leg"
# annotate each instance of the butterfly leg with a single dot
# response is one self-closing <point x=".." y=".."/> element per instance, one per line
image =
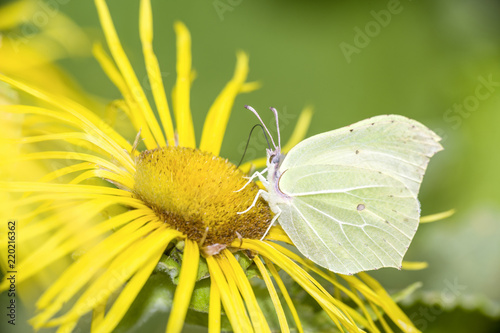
<point x="255" y="174"/>
<point x="276" y="215"/>
<point x="251" y="178"/>
<point x="261" y="193"/>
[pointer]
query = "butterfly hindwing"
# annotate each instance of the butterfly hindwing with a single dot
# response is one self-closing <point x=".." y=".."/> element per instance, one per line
<point x="348" y="219"/>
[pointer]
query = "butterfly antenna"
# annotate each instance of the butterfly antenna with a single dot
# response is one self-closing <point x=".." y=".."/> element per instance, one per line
<point x="248" y="141"/>
<point x="248" y="107"/>
<point x="277" y="126"/>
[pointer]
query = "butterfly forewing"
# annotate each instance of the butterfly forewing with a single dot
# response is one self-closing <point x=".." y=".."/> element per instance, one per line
<point x="348" y="219"/>
<point x="395" y="145"/>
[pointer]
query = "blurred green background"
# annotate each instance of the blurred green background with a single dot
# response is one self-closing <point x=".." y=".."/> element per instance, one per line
<point x="433" y="61"/>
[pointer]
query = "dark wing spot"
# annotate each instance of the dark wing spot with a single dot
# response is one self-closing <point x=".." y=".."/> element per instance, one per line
<point x="357" y="152"/>
<point x="360" y="207"/>
<point x="351" y="130"/>
<point x="373" y="124"/>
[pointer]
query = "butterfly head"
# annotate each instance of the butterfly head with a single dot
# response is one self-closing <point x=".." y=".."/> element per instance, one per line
<point x="274" y="157"/>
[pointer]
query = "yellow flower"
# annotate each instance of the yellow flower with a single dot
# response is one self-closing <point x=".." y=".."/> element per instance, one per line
<point x="170" y="192"/>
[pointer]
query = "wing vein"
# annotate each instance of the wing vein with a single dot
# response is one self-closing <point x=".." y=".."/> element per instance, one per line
<point x="341" y="223"/>
<point x="344" y="190"/>
<point x="320" y="238"/>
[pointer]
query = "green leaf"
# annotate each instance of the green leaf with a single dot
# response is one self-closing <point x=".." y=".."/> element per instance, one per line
<point x="172" y="263"/>
<point x="201" y="296"/>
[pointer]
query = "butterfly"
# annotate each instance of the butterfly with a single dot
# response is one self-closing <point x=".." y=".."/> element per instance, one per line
<point x="348" y="198"/>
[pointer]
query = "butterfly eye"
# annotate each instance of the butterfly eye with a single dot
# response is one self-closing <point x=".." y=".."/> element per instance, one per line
<point x="271" y="158"/>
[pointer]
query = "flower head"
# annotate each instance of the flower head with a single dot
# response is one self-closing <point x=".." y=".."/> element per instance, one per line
<point x="197" y="193"/>
<point x="118" y="210"/>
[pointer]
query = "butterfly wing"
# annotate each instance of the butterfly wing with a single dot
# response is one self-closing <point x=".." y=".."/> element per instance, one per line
<point x="395" y="145"/>
<point x="353" y="192"/>
<point x="348" y="219"/>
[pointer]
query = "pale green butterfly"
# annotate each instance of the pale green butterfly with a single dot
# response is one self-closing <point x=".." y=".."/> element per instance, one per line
<point x="348" y="198"/>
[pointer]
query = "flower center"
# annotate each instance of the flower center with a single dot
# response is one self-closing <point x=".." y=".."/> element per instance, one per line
<point x="194" y="192"/>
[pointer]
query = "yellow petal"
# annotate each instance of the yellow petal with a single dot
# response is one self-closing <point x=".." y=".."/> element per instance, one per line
<point x="14" y="13"/>
<point x="234" y="308"/>
<point x="61" y="188"/>
<point x="369" y="321"/>
<point x="123" y="181"/>
<point x="392" y="310"/>
<point x="276" y="233"/>
<point x="68" y="156"/>
<point x="81" y="271"/>
<point x="120" y="270"/>
<point x="218" y="115"/>
<point x="48" y="252"/>
<point x="381" y="319"/>
<point x="234" y="269"/>
<point x="127" y="296"/>
<point x="137" y="118"/>
<point x="437" y="217"/>
<point x="214" y="311"/>
<point x="249" y="87"/>
<point x="153" y="70"/>
<point x="128" y="74"/>
<point x="184" y="290"/>
<point x="350" y="279"/>
<point x="74" y="195"/>
<point x="113" y="141"/>
<point x="285" y="294"/>
<point x="274" y="295"/>
<point x="329" y="304"/>
<point x="181" y="92"/>
<point x="414" y="265"/>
